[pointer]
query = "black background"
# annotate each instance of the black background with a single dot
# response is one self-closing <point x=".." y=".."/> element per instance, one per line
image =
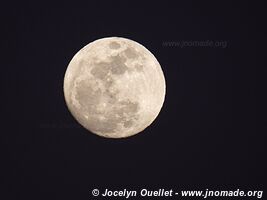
<point x="210" y="132"/>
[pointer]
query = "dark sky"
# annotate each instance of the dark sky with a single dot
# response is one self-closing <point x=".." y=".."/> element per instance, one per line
<point x="211" y="132"/>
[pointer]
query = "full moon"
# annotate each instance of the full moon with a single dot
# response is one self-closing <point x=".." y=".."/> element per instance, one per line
<point x="114" y="87"/>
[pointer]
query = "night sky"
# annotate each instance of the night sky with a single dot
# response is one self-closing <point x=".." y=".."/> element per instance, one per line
<point x="210" y="133"/>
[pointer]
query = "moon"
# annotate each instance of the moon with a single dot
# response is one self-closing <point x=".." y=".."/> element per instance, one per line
<point x="114" y="87"/>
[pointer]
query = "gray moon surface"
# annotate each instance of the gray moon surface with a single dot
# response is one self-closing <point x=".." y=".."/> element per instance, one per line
<point x="114" y="87"/>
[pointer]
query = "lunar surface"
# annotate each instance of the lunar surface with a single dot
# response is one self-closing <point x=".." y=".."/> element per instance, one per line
<point x="114" y="87"/>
